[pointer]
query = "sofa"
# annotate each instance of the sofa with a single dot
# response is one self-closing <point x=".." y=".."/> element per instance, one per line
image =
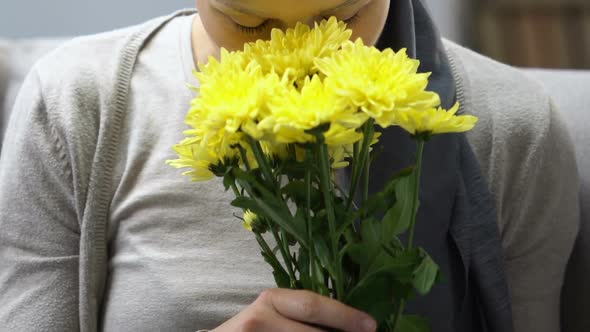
<point x="570" y="91"/>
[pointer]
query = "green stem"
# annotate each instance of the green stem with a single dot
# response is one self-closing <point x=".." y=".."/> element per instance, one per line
<point x="366" y="170"/>
<point x="236" y="190"/>
<point x="350" y="235"/>
<point x="266" y="248"/>
<point x="416" y="197"/>
<point x="262" y="162"/>
<point x="290" y="264"/>
<point x="361" y="160"/>
<point x="267" y="172"/>
<point x="354" y="174"/>
<point x="398" y="315"/>
<point x="326" y="187"/>
<point x="244" y="158"/>
<point x="389" y="323"/>
<point x="284" y="249"/>
<point x="263" y="244"/>
<point x="310" y="248"/>
<point x="356" y="149"/>
<point x="414" y="211"/>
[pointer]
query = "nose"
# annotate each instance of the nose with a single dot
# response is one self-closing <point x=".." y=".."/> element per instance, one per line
<point x="309" y="20"/>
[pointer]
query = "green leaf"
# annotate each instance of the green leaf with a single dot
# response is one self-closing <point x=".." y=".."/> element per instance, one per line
<point x="374" y="296"/>
<point x="397" y="272"/>
<point x="377" y="202"/>
<point x="371" y="244"/>
<point x="396" y="243"/>
<point x="319" y="279"/>
<point x="425" y="275"/>
<point x="401" y="267"/>
<point x="397" y="219"/>
<point x="373" y="255"/>
<point x="270" y="206"/>
<point x="341" y="212"/>
<point x="411" y="323"/>
<point x="392" y="182"/>
<point x="374" y="204"/>
<point x="341" y="254"/>
<point x="319" y="222"/>
<point x="296" y="191"/>
<point x="403" y="291"/>
<point x="281" y="276"/>
<point x="357" y="253"/>
<point x="294" y="169"/>
<point x="371" y="233"/>
<point x="247" y="203"/>
<point x="228" y="179"/>
<point x="299" y="220"/>
<point x="276" y="249"/>
<point x="322" y="253"/>
<point x="304" y="270"/>
<point x="281" y="279"/>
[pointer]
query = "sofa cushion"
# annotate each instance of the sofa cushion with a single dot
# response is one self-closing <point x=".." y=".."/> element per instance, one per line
<point x="570" y="91"/>
<point x="16" y="59"/>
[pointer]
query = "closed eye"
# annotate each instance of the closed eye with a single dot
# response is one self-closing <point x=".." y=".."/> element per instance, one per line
<point x="253" y="30"/>
<point x="262" y="26"/>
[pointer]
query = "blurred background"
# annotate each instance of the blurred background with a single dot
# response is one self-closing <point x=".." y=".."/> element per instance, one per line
<point x="529" y="33"/>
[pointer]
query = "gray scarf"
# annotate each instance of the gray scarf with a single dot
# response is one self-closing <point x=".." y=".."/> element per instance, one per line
<point x="457" y="221"/>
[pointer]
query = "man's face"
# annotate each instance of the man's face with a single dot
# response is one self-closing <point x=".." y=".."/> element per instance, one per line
<point x="232" y="23"/>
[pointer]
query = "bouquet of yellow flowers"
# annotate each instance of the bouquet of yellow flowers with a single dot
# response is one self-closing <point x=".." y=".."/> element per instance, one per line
<point x="277" y="119"/>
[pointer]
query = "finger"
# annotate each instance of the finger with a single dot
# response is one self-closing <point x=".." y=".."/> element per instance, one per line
<point x="313" y="308"/>
<point x="269" y="320"/>
<point x="282" y="324"/>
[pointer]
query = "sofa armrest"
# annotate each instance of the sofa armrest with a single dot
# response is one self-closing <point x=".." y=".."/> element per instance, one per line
<point x="570" y="91"/>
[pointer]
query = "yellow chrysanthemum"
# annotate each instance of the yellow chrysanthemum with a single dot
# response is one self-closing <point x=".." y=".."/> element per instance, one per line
<point x="276" y="91"/>
<point x="232" y="99"/>
<point x="275" y="150"/>
<point x="434" y="121"/>
<point x="339" y="135"/>
<point x="254" y="223"/>
<point x="249" y="220"/>
<point x="338" y="155"/>
<point x="215" y="69"/>
<point x="293" y="113"/>
<point x="193" y="157"/>
<point x="292" y="52"/>
<point x="376" y="81"/>
<point x="202" y="153"/>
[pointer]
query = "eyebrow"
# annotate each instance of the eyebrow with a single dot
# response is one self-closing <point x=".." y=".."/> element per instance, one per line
<point x="242" y="10"/>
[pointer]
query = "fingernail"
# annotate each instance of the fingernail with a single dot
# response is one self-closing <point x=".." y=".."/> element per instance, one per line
<point x="369" y="325"/>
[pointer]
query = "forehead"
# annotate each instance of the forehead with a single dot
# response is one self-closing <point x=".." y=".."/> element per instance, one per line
<point x="266" y="8"/>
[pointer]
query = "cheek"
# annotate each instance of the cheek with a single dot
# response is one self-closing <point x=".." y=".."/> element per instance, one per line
<point x="371" y="22"/>
<point x="219" y="27"/>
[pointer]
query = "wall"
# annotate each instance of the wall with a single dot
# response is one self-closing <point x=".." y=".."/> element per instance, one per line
<point x="50" y="18"/>
<point x="450" y="16"/>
